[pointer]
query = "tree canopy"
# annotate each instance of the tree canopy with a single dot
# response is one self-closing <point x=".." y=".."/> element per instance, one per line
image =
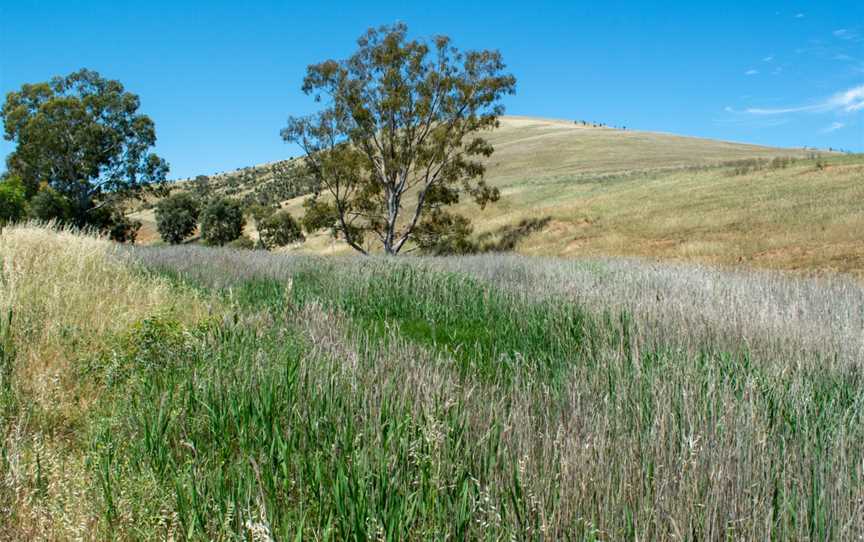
<point x="278" y="230"/>
<point x="222" y="221"/>
<point x="397" y="140"/>
<point x="82" y="137"/>
<point x="177" y="217"/>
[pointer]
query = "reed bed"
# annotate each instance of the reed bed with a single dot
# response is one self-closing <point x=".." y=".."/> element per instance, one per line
<point x="486" y="398"/>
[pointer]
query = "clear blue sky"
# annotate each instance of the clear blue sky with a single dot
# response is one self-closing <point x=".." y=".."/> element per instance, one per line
<point x="220" y="78"/>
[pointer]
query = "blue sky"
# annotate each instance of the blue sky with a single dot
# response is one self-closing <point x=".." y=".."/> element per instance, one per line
<point x="220" y="78"/>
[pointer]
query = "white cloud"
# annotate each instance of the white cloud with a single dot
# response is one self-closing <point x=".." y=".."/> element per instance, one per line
<point x="846" y="34"/>
<point x="799" y="15"/>
<point x="768" y="58"/>
<point x="751" y="72"/>
<point x="833" y="127"/>
<point x="847" y="101"/>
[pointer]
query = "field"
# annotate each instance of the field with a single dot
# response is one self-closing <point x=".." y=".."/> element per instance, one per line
<point x="605" y="192"/>
<point x="197" y="393"/>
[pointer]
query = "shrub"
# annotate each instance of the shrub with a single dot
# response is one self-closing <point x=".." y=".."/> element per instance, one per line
<point x="123" y="229"/>
<point x="222" y="222"/>
<point x="49" y="204"/>
<point x="177" y="217"/>
<point x="13" y="204"/>
<point x="279" y="229"/>
<point x="441" y="233"/>
<point x="244" y="242"/>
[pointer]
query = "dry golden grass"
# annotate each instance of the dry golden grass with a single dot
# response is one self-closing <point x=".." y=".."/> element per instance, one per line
<point x="799" y="218"/>
<point x="627" y="193"/>
<point x="68" y="294"/>
<point x="60" y="284"/>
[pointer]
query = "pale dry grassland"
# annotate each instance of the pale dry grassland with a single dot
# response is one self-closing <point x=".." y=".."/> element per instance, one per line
<point x="66" y="294"/>
<point x="622" y="193"/>
<point x="613" y="192"/>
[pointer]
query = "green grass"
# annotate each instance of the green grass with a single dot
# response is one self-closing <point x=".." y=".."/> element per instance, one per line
<point x="248" y="432"/>
<point x="486" y="331"/>
<point x="357" y="400"/>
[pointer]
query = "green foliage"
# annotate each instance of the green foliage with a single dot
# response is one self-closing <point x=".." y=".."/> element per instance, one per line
<point x="244" y="242"/>
<point x="248" y="430"/>
<point x="49" y="204"/>
<point x="122" y="229"/>
<point x="222" y="221"/>
<point x="82" y="136"/>
<point x="441" y="233"/>
<point x="279" y="229"/>
<point x="13" y="204"/>
<point x="177" y="217"/>
<point x="202" y="188"/>
<point x="260" y="211"/>
<point x="485" y="330"/>
<point x="319" y="214"/>
<point x="400" y="116"/>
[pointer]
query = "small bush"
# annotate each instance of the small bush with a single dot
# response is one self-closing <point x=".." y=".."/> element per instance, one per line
<point x="279" y="229"/>
<point x="244" y="242"/>
<point x="48" y="204"/>
<point x="441" y="233"/>
<point x="222" y="222"/>
<point x="123" y="229"/>
<point x="13" y="204"/>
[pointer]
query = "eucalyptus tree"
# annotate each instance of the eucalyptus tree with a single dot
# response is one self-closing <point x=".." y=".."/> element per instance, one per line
<point x="82" y="138"/>
<point x="399" y="138"/>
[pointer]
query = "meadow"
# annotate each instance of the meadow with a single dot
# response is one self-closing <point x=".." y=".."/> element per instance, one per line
<point x="200" y="393"/>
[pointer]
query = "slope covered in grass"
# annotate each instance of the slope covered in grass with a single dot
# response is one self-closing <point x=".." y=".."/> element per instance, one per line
<point x="605" y="192"/>
<point x="602" y="191"/>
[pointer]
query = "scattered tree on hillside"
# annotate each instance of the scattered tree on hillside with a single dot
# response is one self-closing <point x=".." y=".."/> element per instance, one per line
<point x="397" y="141"/>
<point x="177" y="217"/>
<point x="81" y="138"/>
<point x="222" y="221"/>
<point x="201" y="187"/>
<point x="278" y="230"/>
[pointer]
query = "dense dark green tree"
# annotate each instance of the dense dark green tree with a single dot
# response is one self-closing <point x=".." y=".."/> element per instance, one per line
<point x="49" y="204"/>
<point x="401" y="117"/>
<point x="83" y="137"/>
<point x="13" y="204"/>
<point x="177" y="217"/>
<point x="279" y="229"/>
<point x="121" y="228"/>
<point x="222" y="221"/>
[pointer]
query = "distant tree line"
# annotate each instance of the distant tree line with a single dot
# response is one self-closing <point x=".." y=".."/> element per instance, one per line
<point x="597" y="124"/>
<point x="221" y="220"/>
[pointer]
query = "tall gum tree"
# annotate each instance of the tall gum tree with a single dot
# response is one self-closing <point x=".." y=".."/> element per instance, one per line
<point x="82" y="136"/>
<point x="398" y="139"/>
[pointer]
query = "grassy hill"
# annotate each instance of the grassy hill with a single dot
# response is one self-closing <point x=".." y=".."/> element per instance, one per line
<point x="601" y="191"/>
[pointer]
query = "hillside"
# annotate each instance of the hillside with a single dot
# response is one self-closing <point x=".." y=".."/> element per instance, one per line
<point x="602" y="191"/>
